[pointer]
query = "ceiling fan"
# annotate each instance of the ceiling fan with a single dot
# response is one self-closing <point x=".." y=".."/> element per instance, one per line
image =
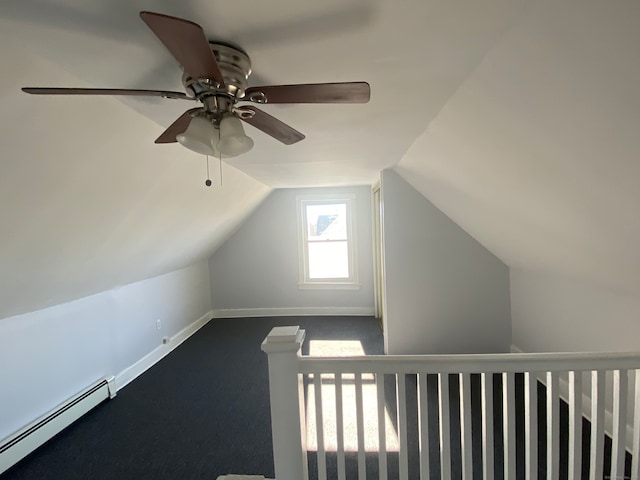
<point x="216" y="74"/>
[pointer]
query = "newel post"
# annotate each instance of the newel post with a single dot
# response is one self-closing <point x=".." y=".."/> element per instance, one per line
<point x="286" y="392"/>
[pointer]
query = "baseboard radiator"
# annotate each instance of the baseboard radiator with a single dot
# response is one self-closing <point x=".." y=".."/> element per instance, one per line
<point x="26" y="440"/>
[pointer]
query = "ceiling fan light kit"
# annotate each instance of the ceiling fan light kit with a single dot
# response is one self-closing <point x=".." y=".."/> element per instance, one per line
<point x="216" y="75"/>
<point x="198" y="136"/>
<point x="233" y="140"/>
<point x="203" y="136"/>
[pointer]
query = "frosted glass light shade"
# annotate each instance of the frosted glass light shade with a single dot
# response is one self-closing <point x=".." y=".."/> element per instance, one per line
<point x="199" y="136"/>
<point x="233" y="140"/>
<point x="216" y="152"/>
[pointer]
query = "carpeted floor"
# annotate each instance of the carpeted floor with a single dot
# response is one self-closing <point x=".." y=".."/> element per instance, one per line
<point x="203" y="411"/>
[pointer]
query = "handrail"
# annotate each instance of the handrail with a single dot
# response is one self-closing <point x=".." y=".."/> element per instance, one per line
<point x="477" y="363"/>
<point x="289" y="413"/>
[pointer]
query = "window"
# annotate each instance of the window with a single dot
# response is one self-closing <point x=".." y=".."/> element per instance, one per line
<point x="326" y="241"/>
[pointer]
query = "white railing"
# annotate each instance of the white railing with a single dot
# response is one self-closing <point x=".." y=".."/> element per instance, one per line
<point x="558" y="376"/>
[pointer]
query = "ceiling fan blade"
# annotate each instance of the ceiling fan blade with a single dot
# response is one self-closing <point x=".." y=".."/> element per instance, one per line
<point x="271" y="126"/>
<point x="346" y="92"/>
<point x="187" y="43"/>
<point x="177" y="127"/>
<point x="105" y="91"/>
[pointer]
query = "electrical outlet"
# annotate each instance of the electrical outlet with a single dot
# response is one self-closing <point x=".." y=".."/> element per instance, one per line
<point x="158" y="324"/>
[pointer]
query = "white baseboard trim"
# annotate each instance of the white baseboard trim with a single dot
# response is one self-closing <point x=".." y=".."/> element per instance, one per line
<point x="292" y="312"/>
<point x="563" y="384"/>
<point x="131" y="373"/>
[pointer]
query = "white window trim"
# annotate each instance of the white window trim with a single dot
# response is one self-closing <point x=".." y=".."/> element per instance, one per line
<point x="304" y="281"/>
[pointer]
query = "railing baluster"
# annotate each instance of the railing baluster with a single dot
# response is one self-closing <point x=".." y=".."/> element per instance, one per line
<point x="509" y="424"/>
<point x="322" y="458"/>
<point x="403" y="454"/>
<point x="597" y="425"/>
<point x="445" y="419"/>
<point x="289" y="412"/>
<point x="465" y="426"/>
<point x="382" y="436"/>
<point x="619" y="434"/>
<point x="635" y="455"/>
<point x="423" y="419"/>
<point x="531" y="425"/>
<point x="487" y="426"/>
<point x="362" y="468"/>
<point x="340" y="427"/>
<point x="575" y="425"/>
<point x="553" y="426"/>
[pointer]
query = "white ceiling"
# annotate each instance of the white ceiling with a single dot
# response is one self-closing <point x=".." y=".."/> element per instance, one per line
<point x="537" y="155"/>
<point x="89" y="202"/>
<point x="520" y="121"/>
<point x="86" y="206"/>
<point x="413" y="53"/>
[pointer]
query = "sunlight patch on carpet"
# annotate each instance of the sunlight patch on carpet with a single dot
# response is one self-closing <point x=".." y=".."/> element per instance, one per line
<point x="342" y="348"/>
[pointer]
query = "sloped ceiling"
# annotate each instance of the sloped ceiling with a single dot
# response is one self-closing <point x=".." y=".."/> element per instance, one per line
<point x="85" y="206"/>
<point x="88" y="202"/>
<point x="520" y="120"/>
<point x="537" y="155"/>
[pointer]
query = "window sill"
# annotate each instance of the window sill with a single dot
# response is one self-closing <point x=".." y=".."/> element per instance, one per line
<point x="329" y="286"/>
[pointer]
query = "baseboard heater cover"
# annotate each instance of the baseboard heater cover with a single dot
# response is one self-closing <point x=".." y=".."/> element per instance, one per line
<point x="20" y="444"/>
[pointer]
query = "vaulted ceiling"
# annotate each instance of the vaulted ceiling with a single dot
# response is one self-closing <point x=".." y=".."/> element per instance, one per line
<point x="518" y="119"/>
<point x="537" y="155"/>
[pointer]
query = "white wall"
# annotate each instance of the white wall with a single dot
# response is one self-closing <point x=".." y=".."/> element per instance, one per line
<point x="444" y="292"/>
<point x="48" y="355"/>
<point x="256" y="270"/>
<point x="552" y="313"/>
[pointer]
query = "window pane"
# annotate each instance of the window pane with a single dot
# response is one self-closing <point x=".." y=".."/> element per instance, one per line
<point x="328" y="260"/>
<point x="327" y="222"/>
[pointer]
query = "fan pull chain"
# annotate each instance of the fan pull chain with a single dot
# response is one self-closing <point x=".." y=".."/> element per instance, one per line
<point x="220" y="160"/>
<point x="220" y="168"/>
<point x="208" y="181"/>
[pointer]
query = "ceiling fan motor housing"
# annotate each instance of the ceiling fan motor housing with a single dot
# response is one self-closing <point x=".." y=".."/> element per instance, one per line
<point x="235" y="66"/>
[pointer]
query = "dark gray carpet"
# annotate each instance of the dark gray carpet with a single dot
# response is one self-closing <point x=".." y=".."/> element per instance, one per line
<point x="203" y="411"/>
